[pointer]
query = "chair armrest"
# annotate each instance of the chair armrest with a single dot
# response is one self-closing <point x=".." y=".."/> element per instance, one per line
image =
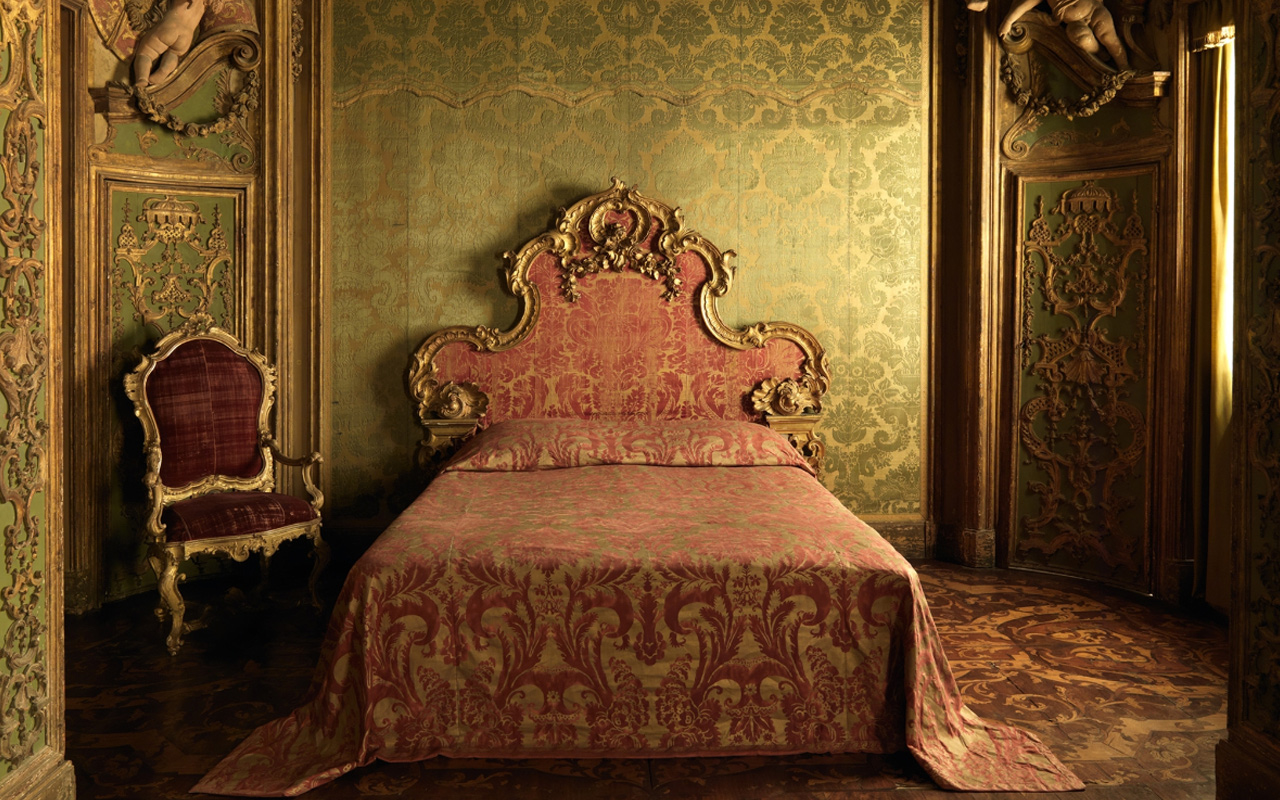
<point x="310" y="465"/>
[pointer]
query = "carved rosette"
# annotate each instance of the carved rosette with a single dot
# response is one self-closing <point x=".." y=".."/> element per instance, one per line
<point x="1081" y="435"/>
<point x="787" y="396"/>
<point x="618" y="229"/>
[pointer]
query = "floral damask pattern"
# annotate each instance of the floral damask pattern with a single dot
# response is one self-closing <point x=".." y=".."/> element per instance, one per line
<point x="618" y="351"/>
<point x="566" y="50"/>
<point x="457" y="126"/>
<point x="625" y="610"/>
<point x="426" y="195"/>
<point x="525" y="444"/>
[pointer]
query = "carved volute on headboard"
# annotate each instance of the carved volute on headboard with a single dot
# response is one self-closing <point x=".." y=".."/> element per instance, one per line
<point x="609" y="344"/>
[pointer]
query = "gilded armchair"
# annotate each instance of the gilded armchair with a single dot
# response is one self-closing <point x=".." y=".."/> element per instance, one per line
<point x="205" y="404"/>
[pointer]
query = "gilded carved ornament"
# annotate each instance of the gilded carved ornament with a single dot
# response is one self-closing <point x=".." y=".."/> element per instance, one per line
<point x="25" y="605"/>
<point x="610" y="231"/>
<point x="155" y="269"/>
<point x="175" y="47"/>
<point x="1081" y="37"/>
<point x="1079" y="430"/>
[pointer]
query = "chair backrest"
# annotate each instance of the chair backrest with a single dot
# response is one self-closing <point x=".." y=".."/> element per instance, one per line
<point x="204" y="402"/>
<point x="206" y="399"/>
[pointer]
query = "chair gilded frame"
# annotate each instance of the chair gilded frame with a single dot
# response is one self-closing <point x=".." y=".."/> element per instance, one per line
<point x="165" y="556"/>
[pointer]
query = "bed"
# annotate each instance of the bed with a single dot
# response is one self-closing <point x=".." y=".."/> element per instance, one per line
<point x="626" y="551"/>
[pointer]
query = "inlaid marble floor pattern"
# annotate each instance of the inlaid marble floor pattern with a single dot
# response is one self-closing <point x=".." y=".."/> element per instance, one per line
<point x="1128" y="693"/>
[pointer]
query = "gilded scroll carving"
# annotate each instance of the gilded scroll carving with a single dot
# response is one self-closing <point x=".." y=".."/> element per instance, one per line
<point x="616" y="229"/>
<point x="1074" y="46"/>
<point x="616" y="247"/>
<point x="786" y="396"/>
<point x="1080" y="431"/>
<point x="171" y="271"/>
<point x="24" y="669"/>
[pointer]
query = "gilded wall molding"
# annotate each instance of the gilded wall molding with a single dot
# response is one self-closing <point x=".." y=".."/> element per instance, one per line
<point x="30" y="618"/>
<point x="296" y="28"/>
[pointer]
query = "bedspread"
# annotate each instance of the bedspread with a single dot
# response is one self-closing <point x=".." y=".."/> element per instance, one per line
<point x="608" y="590"/>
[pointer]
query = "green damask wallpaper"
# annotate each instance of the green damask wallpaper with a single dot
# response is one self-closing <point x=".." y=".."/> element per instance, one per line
<point x="791" y="132"/>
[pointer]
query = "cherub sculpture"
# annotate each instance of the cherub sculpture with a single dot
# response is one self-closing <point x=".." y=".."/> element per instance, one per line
<point x="168" y="40"/>
<point x="1089" y="25"/>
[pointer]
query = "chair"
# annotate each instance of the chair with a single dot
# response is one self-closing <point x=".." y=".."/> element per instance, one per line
<point x="205" y="403"/>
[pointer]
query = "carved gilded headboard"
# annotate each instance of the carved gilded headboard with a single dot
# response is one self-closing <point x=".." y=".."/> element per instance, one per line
<point x="594" y="338"/>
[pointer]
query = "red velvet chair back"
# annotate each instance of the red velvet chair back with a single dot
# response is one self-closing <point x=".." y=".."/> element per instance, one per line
<point x="207" y="401"/>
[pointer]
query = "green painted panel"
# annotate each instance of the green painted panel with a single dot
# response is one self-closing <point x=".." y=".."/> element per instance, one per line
<point x="792" y="133"/>
<point x="173" y="257"/>
<point x="231" y="148"/>
<point x="26" y="673"/>
<point x="1083" y="313"/>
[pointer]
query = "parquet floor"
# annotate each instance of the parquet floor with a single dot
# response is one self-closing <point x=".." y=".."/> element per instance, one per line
<point x="1129" y="694"/>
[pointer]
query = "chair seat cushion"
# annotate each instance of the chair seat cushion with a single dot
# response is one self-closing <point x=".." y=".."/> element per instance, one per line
<point x="233" y="514"/>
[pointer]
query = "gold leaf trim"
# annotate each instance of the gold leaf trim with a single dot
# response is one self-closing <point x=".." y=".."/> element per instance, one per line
<point x="574" y="100"/>
<point x="592" y="215"/>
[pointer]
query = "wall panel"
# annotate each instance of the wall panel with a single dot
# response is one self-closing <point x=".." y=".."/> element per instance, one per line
<point x="792" y="133"/>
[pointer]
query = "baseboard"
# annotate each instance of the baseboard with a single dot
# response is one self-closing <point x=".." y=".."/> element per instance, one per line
<point x="978" y="547"/>
<point x="1242" y="773"/>
<point x="913" y="539"/>
<point x="47" y="776"/>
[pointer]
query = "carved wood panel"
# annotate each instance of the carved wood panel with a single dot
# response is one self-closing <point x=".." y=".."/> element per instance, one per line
<point x="32" y="742"/>
<point x="1248" y="757"/>
<point x="170" y="252"/>
<point x="1083" y="364"/>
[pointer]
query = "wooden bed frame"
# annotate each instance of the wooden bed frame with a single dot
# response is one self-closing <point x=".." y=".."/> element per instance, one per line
<point x="615" y="231"/>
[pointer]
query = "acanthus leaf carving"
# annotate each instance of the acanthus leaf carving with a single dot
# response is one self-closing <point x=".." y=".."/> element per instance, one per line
<point x="24" y="347"/>
<point x="1080" y="431"/>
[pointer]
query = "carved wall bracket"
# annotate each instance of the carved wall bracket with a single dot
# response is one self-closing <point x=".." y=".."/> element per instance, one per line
<point x="238" y="51"/>
<point x="1036" y="35"/>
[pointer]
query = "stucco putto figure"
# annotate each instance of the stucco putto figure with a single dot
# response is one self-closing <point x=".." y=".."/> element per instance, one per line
<point x="169" y="40"/>
<point x="1089" y="24"/>
<point x="177" y="30"/>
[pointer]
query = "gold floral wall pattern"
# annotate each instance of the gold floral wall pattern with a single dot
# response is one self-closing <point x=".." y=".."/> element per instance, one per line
<point x="25" y="671"/>
<point x="1083" y="429"/>
<point x="791" y="132"/>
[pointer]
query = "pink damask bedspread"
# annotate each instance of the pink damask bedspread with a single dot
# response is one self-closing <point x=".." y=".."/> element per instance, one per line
<point x="571" y="589"/>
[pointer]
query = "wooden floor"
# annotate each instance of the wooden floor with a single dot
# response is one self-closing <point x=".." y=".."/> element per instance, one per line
<point x="1130" y="695"/>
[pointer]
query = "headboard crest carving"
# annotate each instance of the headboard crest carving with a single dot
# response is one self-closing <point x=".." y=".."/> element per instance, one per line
<point x="618" y="231"/>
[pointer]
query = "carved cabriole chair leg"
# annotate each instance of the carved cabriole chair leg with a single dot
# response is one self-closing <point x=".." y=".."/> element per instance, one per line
<point x="321" y="555"/>
<point x="264" y="559"/>
<point x="169" y="595"/>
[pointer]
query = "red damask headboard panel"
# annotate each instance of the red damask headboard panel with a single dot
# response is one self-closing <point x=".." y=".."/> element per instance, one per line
<point x="618" y="320"/>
